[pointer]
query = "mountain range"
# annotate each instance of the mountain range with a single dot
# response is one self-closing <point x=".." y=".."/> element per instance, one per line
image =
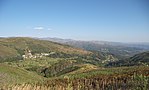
<point x="119" y="49"/>
<point x="15" y="47"/>
<point x="33" y="63"/>
<point x="136" y="60"/>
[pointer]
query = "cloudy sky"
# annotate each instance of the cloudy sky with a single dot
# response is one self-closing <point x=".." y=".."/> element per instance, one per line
<point x="109" y="20"/>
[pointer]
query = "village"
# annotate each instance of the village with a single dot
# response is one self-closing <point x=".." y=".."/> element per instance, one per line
<point x="28" y="54"/>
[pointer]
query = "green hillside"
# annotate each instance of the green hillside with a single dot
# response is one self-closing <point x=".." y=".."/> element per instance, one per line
<point x="14" y="75"/>
<point x="142" y="58"/>
<point x="13" y="48"/>
<point x="136" y="60"/>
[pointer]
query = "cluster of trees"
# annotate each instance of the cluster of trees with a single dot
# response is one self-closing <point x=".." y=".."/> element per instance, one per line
<point x="56" y="69"/>
<point x="92" y="58"/>
<point x="61" y="55"/>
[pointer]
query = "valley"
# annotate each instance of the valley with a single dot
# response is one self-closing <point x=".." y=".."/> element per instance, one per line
<point x="74" y="44"/>
<point x="31" y="63"/>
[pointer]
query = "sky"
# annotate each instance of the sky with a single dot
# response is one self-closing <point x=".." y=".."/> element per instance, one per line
<point x="103" y="20"/>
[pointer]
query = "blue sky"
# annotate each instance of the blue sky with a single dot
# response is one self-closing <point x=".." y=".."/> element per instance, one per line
<point x="107" y="20"/>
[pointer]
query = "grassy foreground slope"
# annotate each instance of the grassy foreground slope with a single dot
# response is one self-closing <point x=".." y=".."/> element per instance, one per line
<point x="121" y="78"/>
<point x="14" y="75"/>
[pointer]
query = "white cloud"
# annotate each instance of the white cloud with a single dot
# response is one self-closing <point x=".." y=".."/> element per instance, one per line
<point x="38" y="28"/>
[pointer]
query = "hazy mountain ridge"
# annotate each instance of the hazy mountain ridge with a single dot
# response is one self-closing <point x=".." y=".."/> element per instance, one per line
<point x="119" y="49"/>
<point x="128" y="44"/>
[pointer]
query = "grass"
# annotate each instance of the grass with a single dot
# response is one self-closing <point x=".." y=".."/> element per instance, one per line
<point x="83" y="72"/>
<point x="108" y="71"/>
<point x="33" y="63"/>
<point x="15" y="75"/>
<point x="84" y="68"/>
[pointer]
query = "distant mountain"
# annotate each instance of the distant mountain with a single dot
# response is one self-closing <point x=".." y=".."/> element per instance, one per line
<point x="101" y="51"/>
<point x="120" y="50"/>
<point x="138" y="59"/>
<point x="14" y="48"/>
